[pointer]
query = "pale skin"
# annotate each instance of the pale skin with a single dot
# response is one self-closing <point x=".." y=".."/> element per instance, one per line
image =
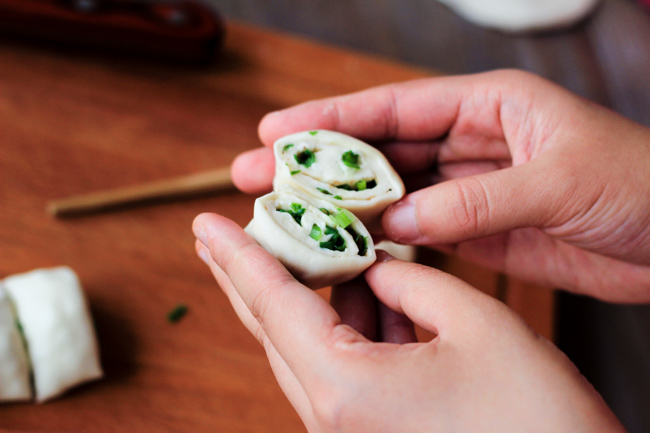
<point x="527" y="179"/>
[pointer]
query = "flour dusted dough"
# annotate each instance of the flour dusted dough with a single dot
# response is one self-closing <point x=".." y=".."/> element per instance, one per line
<point x="290" y="241"/>
<point x="57" y="326"/>
<point x="522" y="15"/>
<point x="328" y="175"/>
<point x="14" y="365"/>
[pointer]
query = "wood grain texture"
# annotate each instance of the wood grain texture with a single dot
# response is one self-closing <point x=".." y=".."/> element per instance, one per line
<point x="71" y="124"/>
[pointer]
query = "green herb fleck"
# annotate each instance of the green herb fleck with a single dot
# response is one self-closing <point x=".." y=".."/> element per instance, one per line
<point x="316" y="232"/>
<point x="336" y="242"/>
<point x="351" y="159"/>
<point x="177" y="313"/>
<point x="343" y="218"/>
<point x="313" y="132"/>
<point x="287" y="147"/>
<point x="358" y="186"/>
<point x="306" y="158"/>
<point x="296" y="211"/>
<point x="361" y="241"/>
<point x="324" y="191"/>
<point x="338" y="197"/>
<point x="325" y="211"/>
<point x="294" y="172"/>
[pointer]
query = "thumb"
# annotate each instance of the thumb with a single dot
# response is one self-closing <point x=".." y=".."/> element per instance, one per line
<point x="434" y="300"/>
<point x="473" y="207"/>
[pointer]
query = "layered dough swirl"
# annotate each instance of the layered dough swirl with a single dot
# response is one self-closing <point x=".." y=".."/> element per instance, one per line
<point x="319" y="243"/>
<point x="339" y="169"/>
<point x="328" y="187"/>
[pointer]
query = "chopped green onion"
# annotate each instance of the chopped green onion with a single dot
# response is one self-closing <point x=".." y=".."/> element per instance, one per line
<point x="351" y="159"/>
<point x="325" y="211"/>
<point x="177" y="313"/>
<point x="361" y="241"/>
<point x="297" y="211"/>
<point x="294" y="172"/>
<point x="324" y="191"/>
<point x="358" y="186"/>
<point x="316" y="232"/>
<point x="306" y="158"/>
<point x="338" y="197"/>
<point x="343" y="218"/>
<point x="287" y="147"/>
<point x="336" y="242"/>
<point x="313" y="132"/>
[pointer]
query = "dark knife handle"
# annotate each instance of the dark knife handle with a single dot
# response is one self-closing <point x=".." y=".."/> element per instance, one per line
<point x="180" y="30"/>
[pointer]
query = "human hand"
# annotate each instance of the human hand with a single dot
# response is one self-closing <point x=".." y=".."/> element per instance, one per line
<point x="529" y="179"/>
<point x="485" y="371"/>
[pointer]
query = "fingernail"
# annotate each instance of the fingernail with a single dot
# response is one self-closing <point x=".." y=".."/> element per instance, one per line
<point x="402" y="223"/>
<point x="383" y="256"/>
<point x="203" y="255"/>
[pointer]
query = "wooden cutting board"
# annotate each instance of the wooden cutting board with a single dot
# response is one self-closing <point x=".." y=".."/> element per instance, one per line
<point x="72" y="124"/>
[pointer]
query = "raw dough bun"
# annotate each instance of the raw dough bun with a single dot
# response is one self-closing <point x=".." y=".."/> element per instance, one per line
<point x="328" y="171"/>
<point x="522" y="15"/>
<point x="58" y="329"/>
<point x="14" y="365"/>
<point x="289" y="241"/>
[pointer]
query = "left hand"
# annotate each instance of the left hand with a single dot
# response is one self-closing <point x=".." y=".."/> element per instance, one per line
<point x="485" y="371"/>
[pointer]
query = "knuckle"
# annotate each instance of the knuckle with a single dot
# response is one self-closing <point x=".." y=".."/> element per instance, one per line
<point x="469" y="206"/>
<point x="261" y="303"/>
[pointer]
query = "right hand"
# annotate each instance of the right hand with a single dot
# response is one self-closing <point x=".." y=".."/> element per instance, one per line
<point x="529" y="179"/>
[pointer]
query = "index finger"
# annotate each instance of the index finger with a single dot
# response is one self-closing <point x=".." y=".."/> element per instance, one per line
<point x="296" y="320"/>
<point x="411" y="111"/>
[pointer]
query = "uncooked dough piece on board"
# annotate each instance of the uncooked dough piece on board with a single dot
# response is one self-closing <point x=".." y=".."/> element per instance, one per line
<point x="58" y="329"/>
<point x="14" y="364"/>
<point x="518" y="16"/>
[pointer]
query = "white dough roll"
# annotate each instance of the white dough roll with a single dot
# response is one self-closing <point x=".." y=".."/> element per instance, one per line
<point x="14" y="364"/>
<point x="58" y="328"/>
<point x="339" y="169"/>
<point x="319" y="243"/>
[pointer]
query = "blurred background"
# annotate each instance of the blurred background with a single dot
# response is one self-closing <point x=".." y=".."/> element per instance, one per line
<point x="605" y="57"/>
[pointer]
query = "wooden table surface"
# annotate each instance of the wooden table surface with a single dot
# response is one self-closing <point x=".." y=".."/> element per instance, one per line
<point x="70" y="124"/>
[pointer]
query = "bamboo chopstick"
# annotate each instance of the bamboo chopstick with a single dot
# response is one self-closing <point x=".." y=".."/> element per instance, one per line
<point x="179" y="187"/>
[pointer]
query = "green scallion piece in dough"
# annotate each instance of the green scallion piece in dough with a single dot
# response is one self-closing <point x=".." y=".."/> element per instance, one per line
<point x="338" y="197"/>
<point x="294" y="172"/>
<point x="316" y="232"/>
<point x="336" y="242"/>
<point x="296" y="211"/>
<point x="343" y="218"/>
<point x="306" y="158"/>
<point x="324" y="191"/>
<point x="351" y="159"/>
<point x="361" y="185"/>
<point x="287" y="147"/>
<point x="313" y="133"/>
